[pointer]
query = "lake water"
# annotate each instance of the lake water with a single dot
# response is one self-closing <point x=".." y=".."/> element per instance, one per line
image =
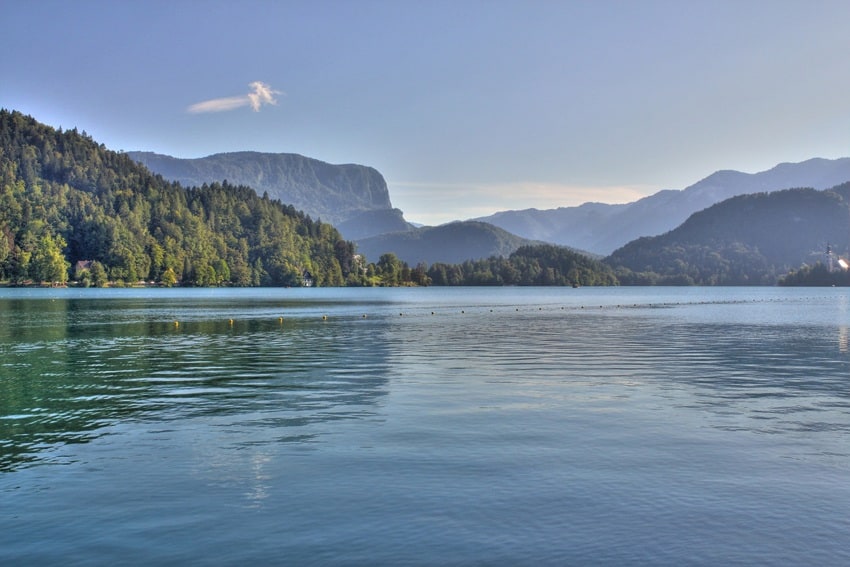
<point x="503" y="426"/>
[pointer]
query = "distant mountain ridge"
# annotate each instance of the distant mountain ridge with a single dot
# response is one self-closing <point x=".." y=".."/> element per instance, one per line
<point x="337" y="194"/>
<point x="601" y="228"/>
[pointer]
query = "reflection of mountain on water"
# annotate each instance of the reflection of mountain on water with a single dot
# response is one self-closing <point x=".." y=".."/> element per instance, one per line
<point x="70" y="371"/>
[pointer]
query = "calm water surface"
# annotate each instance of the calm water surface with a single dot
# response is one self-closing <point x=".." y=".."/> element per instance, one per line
<point x="509" y="426"/>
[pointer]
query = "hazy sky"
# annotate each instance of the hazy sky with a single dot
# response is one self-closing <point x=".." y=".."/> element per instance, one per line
<point x="466" y="107"/>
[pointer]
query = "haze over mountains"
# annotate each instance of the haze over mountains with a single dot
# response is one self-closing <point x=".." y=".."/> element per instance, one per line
<point x="602" y="228"/>
<point x="450" y="243"/>
<point x="356" y="200"/>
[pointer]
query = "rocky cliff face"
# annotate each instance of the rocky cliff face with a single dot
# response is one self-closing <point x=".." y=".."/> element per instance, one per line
<point x="337" y="194"/>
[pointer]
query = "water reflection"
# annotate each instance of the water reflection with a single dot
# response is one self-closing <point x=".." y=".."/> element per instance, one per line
<point x="764" y="378"/>
<point x="71" y="369"/>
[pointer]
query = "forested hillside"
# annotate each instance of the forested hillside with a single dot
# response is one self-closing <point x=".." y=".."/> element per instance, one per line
<point x="544" y="265"/>
<point x="538" y="265"/>
<point x="65" y="199"/>
<point x="746" y="240"/>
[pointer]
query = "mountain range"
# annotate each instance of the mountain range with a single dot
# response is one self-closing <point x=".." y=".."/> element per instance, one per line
<point x="68" y="201"/>
<point x="356" y="200"/>
<point x="602" y="228"/>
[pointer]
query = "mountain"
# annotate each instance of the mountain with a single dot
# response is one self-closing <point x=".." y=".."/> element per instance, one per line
<point x="353" y="198"/>
<point x="749" y="239"/>
<point x="451" y="243"/>
<point x="66" y="201"/>
<point x="601" y="228"/>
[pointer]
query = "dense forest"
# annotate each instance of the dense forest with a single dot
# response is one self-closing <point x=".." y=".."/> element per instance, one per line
<point x="68" y="204"/>
<point x="546" y="265"/>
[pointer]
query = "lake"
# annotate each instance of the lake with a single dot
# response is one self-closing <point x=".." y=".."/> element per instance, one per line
<point x="434" y="426"/>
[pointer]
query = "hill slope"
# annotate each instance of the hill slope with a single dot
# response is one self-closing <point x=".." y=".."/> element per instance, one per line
<point x="601" y="228"/>
<point x="748" y="239"/>
<point x="449" y="243"/>
<point x="352" y="197"/>
<point x="65" y="199"/>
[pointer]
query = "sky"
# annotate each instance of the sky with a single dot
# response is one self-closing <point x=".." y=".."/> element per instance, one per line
<point x="466" y="107"/>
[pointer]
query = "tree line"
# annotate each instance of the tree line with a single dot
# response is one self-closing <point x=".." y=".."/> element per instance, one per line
<point x="540" y="265"/>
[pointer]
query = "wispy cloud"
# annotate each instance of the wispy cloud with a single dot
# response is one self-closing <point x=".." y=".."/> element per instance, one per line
<point x="260" y="94"/>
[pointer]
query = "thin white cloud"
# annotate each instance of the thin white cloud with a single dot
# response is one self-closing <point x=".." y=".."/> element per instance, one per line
<point x="261" y="94"/>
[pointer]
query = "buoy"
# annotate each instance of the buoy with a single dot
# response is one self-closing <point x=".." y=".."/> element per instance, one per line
<point x="280" y="319"/>
<point x="324" y="317"/>
<point x="364" y="315"/>
<point x="231" y="322"/>
<point x="176" y="323"/>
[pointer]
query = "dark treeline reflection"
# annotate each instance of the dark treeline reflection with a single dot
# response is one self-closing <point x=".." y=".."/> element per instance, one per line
<point x="69" y="369"/>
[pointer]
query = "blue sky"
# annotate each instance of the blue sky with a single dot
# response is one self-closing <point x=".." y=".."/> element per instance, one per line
<point x="466" y="107"/>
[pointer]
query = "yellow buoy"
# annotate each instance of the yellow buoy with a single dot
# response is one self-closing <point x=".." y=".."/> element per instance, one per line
<point x="324" y="317"/>
<point x="231" y="322"/>
<point x="176" y="323"/>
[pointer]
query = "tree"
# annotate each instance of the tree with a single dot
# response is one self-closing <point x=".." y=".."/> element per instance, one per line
<point x="389" y="269"/>
<point x="169" y="278"/>
<point x="98" y="274"/>
<point x="47" y="263"/>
